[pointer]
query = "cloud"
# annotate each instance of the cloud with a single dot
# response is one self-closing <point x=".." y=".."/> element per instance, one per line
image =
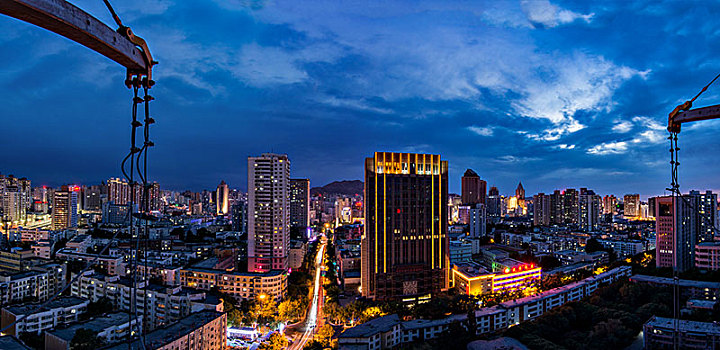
<point x="564" y="146"/>
<point x="566" y="174"/>
<point x="622" y="127"/>
<point x="507" y="159"/>
<point x="602" y="149"/>
<point x="482" y="131"/>
<point x="543" y="13"/>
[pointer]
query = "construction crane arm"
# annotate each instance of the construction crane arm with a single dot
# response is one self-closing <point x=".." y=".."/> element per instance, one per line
<point x="683" y="114"/>
<point x="64" y="18"/>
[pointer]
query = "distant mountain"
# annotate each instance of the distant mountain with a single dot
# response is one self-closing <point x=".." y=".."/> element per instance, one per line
<point x="347" y="188"/>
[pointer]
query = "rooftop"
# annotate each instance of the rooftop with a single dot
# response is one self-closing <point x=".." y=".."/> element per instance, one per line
<point x="669" y="281"/>
<point x="162" y="336"/>
<point x="10" y="343"/>
<point x="60" y="302"/>
<point x="684" y="326"/>
<point x="97" y="325"/>
<point x="370" y="328"/>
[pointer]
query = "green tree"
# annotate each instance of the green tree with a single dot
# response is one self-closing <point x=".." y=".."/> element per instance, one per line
<point x="99" y="307"/>
<point x="276" y="341"/>
<point x="85" y="339"/>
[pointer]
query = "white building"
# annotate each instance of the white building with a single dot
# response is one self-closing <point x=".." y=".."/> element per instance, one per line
<point x="61" y="311"/>
<point x="268" y="212"/>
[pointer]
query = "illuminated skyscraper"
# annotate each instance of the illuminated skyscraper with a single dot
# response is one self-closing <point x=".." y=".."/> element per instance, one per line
<point x="473" y="189"/>
<point x="588" y="210"/>
<point x="675" y="225"/>
<point x="405" y="246"/>
<point x="299" y="203"/>
<point x="610" y="205"/>
<point x="65" y="206"/>
<point x="268" y="212"/>
<point x="221" y="199"/>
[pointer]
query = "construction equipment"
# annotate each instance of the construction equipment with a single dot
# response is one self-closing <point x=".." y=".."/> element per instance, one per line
<point x="132" y="52"/>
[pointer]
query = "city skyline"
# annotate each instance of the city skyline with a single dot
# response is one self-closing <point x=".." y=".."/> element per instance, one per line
<point x="588" y="115"/>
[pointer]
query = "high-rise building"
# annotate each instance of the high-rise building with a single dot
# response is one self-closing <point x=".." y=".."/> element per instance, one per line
<point x="118" y="191"/>
<point x="405" y="246"/>
<point x="268" y="212"/>
<point x="65" y="205"/>
<point x="589" y="210"/>
<point x="542" y="209"/>
<point x="239" y="217"/>
<point x="91" y="198"/>
<point x="477" y="220"/>
<point x="631" y="203"/>
<point x="557" y="214"/>
<point x="570" y="206"/>
<point x="473" y="188"/>
<point x="609" y="205"/>
<point x="221" y="199"/>
<point x="706" y="214"/>
<point x="675" y="226"/>
<point x="299" y="203"/>
<point x="493" y="207"/>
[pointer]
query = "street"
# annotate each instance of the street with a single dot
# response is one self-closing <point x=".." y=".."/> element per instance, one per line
<point x="311" y="321"/>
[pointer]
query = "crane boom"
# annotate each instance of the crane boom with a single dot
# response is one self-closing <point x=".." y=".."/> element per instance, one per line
<point x="682" y="114"/>
<point x="66" y="19"/>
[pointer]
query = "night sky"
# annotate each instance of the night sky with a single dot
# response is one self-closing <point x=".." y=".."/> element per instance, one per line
<point x="554" y="94"/>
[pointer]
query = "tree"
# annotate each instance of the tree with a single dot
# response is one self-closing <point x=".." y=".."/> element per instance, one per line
<point x="324" y="335"/>
<point x="85" y="339"/>
<point x="277" y="341"/>
<point x="264" y="308"/>
<point x="291" y="309"/>
<point x="99" y="307"/>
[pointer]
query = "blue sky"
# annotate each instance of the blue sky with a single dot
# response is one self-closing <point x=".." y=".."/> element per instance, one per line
<point x="554" y="94"/>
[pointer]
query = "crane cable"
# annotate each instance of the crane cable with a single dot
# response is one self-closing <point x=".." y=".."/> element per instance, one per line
<point x="675" y="191"/>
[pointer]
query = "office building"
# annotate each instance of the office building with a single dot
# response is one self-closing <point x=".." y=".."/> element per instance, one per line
<point x="631" y="204"/>
<point x="299" y="203"/>
<point x="239" y="217"/>
<point x="493" y="204"/>
<point x="473" y="188"/>
<point x="221" y="199"/>
<point x="675" y="226"/>
<point x="268" y="212"/>
<point x="405" y="245"/>
<point x="65" y="206"/>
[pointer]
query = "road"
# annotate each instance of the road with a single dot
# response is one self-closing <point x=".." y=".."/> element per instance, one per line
<point x="311" y="321"/>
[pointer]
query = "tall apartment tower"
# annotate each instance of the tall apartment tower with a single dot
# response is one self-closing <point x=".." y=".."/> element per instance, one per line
<point x="632" y="205"/>
<point x="118" y="191"/>
<point x="299" y="202"/>
<point x="221" y="199"/>
<point x="570" y="206"/>
<point x="268" y="212"/>
<point x="65" y="205"/>
<point x="706" y="213"/>
<point x="675" y="225"/>
<point x="609" y="205"/>
<point x="473" y="188"/>
<point x="404" y="249"/>
<point x="588" y="210"/>
<point x="542" y="209"/>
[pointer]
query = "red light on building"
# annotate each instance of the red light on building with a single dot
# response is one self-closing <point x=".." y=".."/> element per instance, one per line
<point x="399" y="211"/>
<point x="507" y="270"/>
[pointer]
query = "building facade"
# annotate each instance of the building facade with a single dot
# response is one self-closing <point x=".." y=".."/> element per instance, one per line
<point x="405" y="246"/>
<point x="299" y="203"/>
<point x="268" y="212"/>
